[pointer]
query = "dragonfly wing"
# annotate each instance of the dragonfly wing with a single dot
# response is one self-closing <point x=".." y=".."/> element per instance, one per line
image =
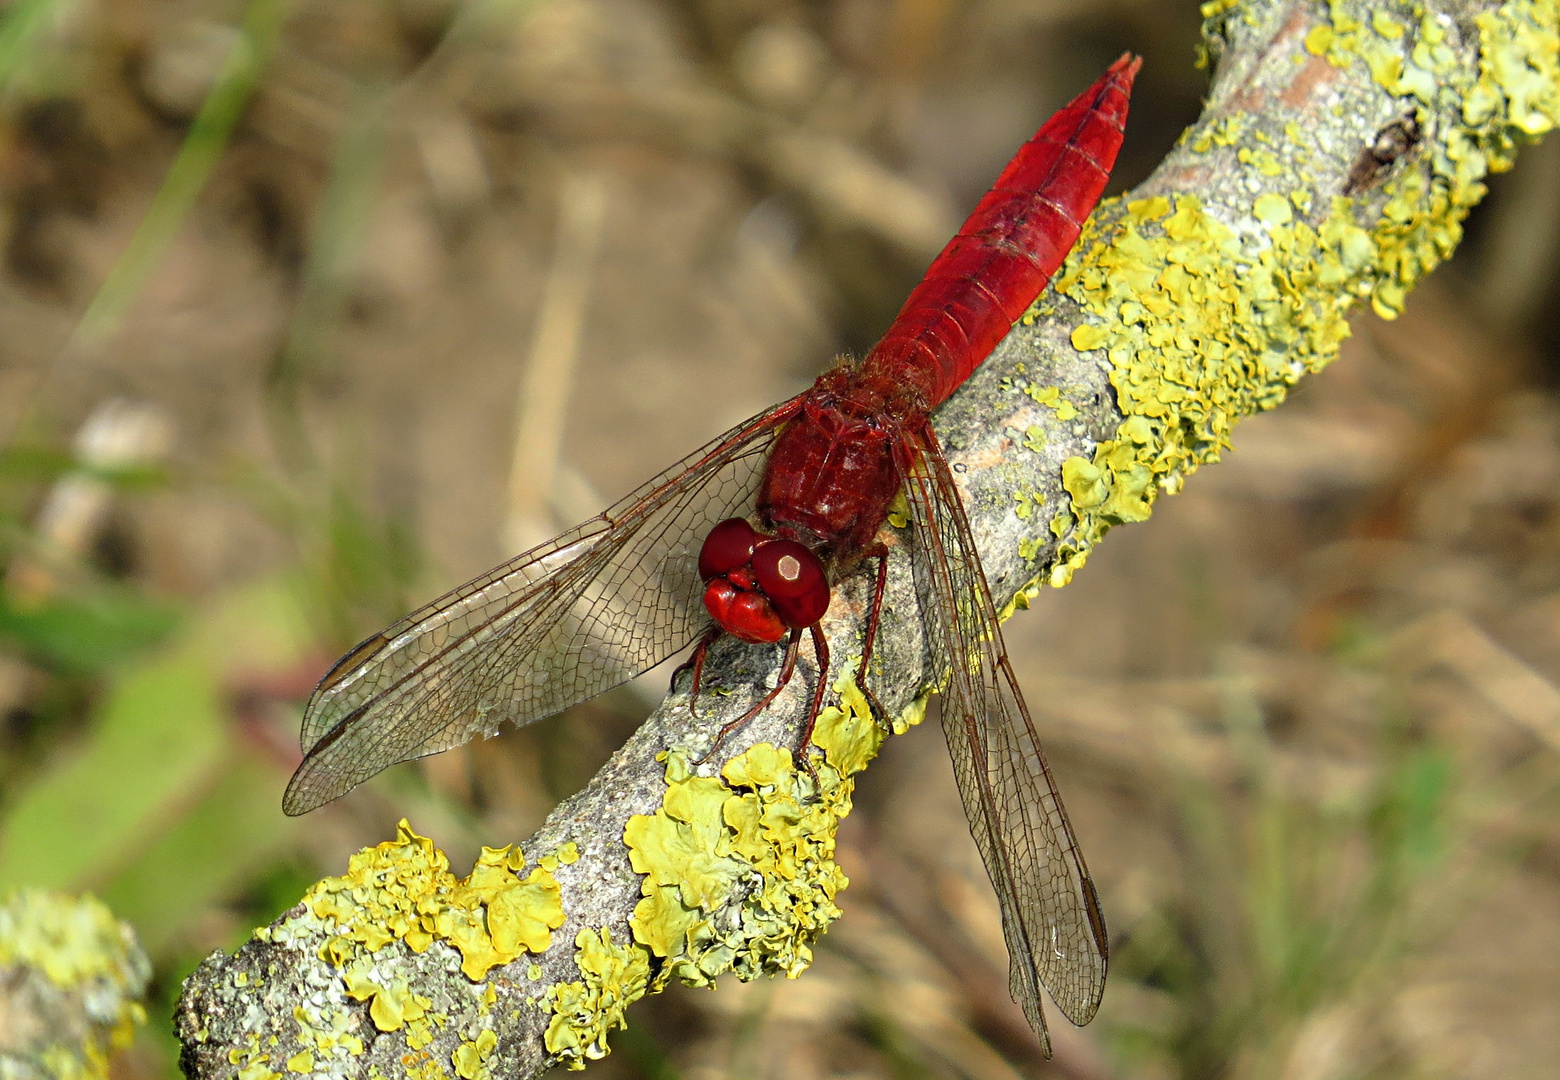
<point x="559" y="624"/>
<point x="1051" y="914"/>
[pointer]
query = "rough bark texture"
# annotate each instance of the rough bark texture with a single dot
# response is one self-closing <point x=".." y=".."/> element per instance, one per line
<point x="1306" y="108"/>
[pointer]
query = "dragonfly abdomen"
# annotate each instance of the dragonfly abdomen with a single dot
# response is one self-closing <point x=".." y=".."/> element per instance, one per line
<point x="1013" y="242"/>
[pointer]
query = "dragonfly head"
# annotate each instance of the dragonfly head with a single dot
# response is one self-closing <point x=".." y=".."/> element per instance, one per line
<point x="758" y="587"/>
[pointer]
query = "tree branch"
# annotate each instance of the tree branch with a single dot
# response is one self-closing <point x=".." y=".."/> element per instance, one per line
<point x="1340" y="149"/>
<point x="72" y="978"/>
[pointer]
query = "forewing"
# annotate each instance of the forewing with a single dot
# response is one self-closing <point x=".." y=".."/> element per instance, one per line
<point x="561" y="623"/>
<point x="1050" y="912"/>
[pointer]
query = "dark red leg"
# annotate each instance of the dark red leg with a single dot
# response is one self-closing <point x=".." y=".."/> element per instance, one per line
<point x="792" y="647"/>
<point x="879" y="552"/>
<point x="696" y="662"/>
<point x="821" y="650"/>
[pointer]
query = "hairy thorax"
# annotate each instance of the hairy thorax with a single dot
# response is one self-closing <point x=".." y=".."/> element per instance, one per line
<point x="831" y="475"/>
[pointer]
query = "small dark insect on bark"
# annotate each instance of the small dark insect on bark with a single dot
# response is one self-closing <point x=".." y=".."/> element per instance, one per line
<point x="1392" y="143"/>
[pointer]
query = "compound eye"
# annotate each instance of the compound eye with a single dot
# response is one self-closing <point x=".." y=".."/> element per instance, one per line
<point x="728" y="546"/>
<point x="793" y="579"/>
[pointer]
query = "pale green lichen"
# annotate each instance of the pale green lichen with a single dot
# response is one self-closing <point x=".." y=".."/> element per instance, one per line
<point x="392" y="1002"/>
<point x="253" y="1063"/>
<point x="88" y="966"/>
<point x="584" y="1012"/>
<point x="425" y="1067"/>
<point x="402" y="893"/>
<point x="322" y="1030"/>
<point x="1202" y="325"/>
<point x="763" y="830"/>
<point x="471" y="1058"/>
<point x="1051" y="397"/>
<point x="763" y="827"/>
<point x="403" y="890"/>
<point x="739" y="875"/>
<point x="73" y="940"/>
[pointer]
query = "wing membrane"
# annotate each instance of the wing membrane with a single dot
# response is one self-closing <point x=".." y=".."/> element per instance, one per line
<point x="552" y="627"/>
<point x="1050" y="912"/>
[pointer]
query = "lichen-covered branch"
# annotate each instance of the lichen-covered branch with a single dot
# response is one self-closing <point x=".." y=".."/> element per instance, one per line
<point x="1341" y="147"/>
<point x="71" y="982"/>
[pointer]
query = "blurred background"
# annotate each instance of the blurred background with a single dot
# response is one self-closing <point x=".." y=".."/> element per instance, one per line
<point x="311" y="310"/>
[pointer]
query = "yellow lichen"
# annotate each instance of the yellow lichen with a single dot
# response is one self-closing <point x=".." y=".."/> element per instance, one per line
<point x="912" y="714"/>
<point x="764" y="832"/>
<point x="75" y="943"/>
<point x="1264" y="161"/>
<point x="470" y="1058"/>
<point x="71" y="939"/>
<point x="403" y="890"/>
<point x="1051" y="397"/>
<point x="252" y="1062"/>
<point x="419" y="1033"/>
<point x="392" y="1002"/>
<point x="739" y="875"/>
<point x="323" y="1028"/>
<point x="1225" y="131"/>
<point x="1202" y="325"/>
<point x="1272" y="209"/>
<point x="258" y="1070"/>
<point x="584" y="1012"/>
<point x="425" y="1068"/>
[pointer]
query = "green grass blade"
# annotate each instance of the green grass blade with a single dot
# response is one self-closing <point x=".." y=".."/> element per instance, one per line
<point x="19" y="32"/>
<point x="160" y="733"/>
<point x="224" y="841"/>
<point x="192" y="167"/>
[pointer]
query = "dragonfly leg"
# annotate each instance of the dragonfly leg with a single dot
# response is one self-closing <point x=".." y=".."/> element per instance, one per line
<point x="792" y="647"/>
<point x="821" y="650"/>
<point x="880" y="714"/>
<point x="696" y="662"/>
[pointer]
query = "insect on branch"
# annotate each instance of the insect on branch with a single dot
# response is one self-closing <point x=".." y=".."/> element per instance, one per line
<point x="1073" y="419"/>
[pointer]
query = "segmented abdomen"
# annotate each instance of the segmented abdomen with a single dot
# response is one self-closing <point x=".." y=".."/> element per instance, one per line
<point x="1011" y="245"/>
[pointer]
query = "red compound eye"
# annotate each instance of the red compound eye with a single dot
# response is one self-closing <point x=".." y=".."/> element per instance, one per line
<point x="746" y="616"/>
<point x="791" y="576"/>
<point x="729" y="545"/>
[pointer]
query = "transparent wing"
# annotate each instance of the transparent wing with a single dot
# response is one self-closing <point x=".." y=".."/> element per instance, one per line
<point x="561" y="623"/>
<point x="1050" y="912"/>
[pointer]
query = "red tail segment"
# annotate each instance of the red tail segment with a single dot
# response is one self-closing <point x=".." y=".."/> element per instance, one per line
<point x="1011" y="245"/>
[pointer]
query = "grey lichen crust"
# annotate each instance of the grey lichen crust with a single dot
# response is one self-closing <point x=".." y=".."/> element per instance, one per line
<point x="1341" y="147"/>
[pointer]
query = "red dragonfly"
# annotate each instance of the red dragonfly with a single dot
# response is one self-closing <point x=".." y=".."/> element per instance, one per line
<point x="619" y="594"/>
